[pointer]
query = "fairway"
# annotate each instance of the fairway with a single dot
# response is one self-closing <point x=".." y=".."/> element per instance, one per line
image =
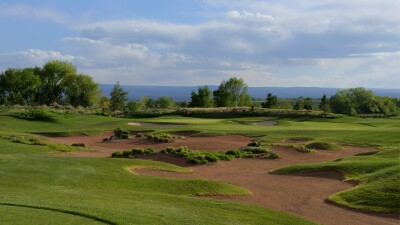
<point x="89" y="187"/>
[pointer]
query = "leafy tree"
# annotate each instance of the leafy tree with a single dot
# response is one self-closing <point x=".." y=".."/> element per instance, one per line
<point x="284" y="104"/>
<point x="105" y="105"/>
<point x="81" y="90"/>
<point x="232" y="93"/>
<point x="271" y="101"/>
<point x="55" y="77"/>
<point x="134" y="106"/>
<point x="18" y="86"/>
<point x="308" y="104"/>
<point x="202" y="99"/>
<point x="324" y="104"/>
<point x="299" y="105"/>
<point x="118" y="98"/>
<point x="164" y="103"/>
<point x="361" y="101"/>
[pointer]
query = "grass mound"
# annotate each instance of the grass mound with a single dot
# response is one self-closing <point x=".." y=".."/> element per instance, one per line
<point x="35" y="114"/>
<point x="379" y="175"/>
<point x="26" y="140"/>
<point x="196" y="156"/>
<point x="322" y="146"/>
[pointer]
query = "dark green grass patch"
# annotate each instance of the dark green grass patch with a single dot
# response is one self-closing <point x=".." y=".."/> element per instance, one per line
<point x="318" y="145"/>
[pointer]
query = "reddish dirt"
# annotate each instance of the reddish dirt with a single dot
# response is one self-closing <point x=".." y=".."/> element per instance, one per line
<point x="105" y="149"/>
<point x="301" y="194"/>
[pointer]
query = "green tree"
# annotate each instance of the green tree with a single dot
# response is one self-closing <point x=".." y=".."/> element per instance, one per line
<point x="309" y="103"/>
<point x="164" y="103"/>
<point x="284" y="104"/>
<point x="18" y="86"/>
<point x="105" y="105"/>
<point x="361" y="101"/>
<point x="299" y="105"/>
<point x="202" y="98"/>
<point x="118" y="98"/>
<point x="324" y="104"/>
<point x="232" y="93"/>
<point x="271" y="101"/>
<point x="81" y="91"/>
<point x="133" y="106"/>
<point x="55" y="77"/>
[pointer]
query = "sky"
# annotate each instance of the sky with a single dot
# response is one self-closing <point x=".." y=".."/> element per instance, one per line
<point x="271" y="43"/>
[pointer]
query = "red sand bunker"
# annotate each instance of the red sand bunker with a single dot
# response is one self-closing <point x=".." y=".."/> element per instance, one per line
<point x="302" y="194"/>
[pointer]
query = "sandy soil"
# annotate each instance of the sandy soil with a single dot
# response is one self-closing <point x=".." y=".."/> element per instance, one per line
<point x="301" y="194"/>
<point x="105" y="149"/>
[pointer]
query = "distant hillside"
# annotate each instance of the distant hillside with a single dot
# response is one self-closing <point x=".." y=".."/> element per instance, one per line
<point x="182" y="93"/>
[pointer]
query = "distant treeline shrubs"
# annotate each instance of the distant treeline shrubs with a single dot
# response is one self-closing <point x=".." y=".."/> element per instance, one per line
<point x="58" y="83"/>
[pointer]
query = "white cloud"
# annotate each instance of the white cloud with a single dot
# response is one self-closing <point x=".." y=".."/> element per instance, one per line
<point x="34" y="57"/>
<point x="268" y="43"/>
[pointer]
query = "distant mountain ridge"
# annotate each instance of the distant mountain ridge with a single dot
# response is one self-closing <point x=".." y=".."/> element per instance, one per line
<point x="182" y="93"/>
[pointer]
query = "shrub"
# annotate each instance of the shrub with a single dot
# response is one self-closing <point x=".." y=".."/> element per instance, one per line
<point x="133" y="153"/>
<point x="117" y="155"/>
<point x="235" y="153"/>
<point x="255" y="150"/>
<point x="121" y="134"/>
<point x="302" y="148"/>
<point x="162" y="138"/>
<point x="127" y="154"/>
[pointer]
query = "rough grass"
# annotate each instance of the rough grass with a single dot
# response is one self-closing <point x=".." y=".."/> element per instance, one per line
<point x="378" y="174"/>
<point x="104" y="189"/>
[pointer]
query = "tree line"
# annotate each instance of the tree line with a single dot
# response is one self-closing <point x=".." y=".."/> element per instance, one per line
<point x="55" y="82"/>
<point x="58" y="82"/>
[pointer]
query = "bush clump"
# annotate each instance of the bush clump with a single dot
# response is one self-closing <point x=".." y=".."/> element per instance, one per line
<point x="162" y="138"/>
<point x="121" y="134"/>
<point x="196" y="156"/>
<point x="253" y="152"/>
<point x="133" y="153"/>
<point x="303" y="148"/>
<point x="323" y="146"/>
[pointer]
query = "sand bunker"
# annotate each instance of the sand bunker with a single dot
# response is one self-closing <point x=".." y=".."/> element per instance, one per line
<point x="302" y="194"/>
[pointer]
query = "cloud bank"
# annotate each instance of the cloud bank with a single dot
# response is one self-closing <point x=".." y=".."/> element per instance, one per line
<point x="331" y="43"/>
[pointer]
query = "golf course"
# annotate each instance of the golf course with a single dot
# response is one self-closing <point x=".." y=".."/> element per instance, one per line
<point x="328" y="170"/>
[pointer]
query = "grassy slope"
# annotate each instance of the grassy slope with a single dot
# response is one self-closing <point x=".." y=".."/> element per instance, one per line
<point x="40" y="216"/>
<point x="104" y="189"/>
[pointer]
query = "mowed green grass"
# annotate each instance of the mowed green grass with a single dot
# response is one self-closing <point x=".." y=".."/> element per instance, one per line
<point x="17" y="215"/>
<point x="105" y="189"/>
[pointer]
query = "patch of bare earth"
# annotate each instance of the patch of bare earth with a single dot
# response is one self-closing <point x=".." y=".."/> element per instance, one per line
<point x="301" y="194"/>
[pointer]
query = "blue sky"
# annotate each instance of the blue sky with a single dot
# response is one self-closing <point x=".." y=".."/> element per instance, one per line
<point x="327" y="43"/>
